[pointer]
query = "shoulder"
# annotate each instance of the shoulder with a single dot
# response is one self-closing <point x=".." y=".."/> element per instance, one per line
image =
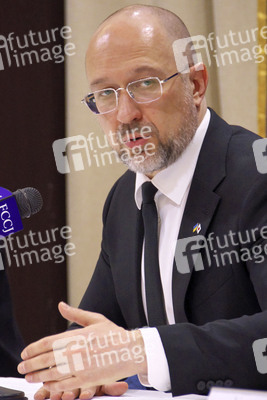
<point x="236" y="142"/>
<point x="237" y="134"/>
<point x="122" y="191"/>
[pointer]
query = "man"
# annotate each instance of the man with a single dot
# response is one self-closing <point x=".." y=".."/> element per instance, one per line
<point x="204" y="317"/>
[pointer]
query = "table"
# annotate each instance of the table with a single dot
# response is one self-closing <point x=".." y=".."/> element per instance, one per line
<point x="31" y="388"/>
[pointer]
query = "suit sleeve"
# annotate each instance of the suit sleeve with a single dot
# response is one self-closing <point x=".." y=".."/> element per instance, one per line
<point x="11" y="343"/>
<point x="100" y="294"/>
<point x="220" y="352"/>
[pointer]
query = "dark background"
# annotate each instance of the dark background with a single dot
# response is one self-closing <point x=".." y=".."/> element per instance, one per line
<point x="32" y="116"/>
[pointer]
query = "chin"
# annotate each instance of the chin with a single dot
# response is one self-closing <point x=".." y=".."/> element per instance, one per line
<point x="148" y="166"/>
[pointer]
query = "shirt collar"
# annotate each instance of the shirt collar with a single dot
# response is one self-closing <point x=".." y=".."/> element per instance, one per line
<point x="174" y="180"/>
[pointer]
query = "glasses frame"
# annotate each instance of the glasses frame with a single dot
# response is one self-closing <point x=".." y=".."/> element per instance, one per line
<point x="161" y="81"/>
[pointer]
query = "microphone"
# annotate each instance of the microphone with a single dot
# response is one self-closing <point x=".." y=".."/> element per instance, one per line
<point x="13" y="206"/>
<point x="29" y="201"/>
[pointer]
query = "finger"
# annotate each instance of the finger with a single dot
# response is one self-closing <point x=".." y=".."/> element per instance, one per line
<point x="55" y="395"/>
<point x="39" y="362"/>
<point x="66" y="384"/>
<point x="42" y="394"/>
<point x="88" y="393"/>
<point x="58" y="361"/>
<point x="49" y="343"/>
<point x="43" y="345"/>
<point x="48" y="375"/>
<point x="70" y="394"/>
<point x="81" y="317"/>
<point x="113" y="389"/>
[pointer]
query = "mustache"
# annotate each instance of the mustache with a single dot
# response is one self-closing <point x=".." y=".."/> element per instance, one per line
<point x="145" y="130"/>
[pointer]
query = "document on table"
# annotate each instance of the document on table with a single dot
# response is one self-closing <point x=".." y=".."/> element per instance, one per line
<point x="236" y="394"/>
<point x="30" y="388"/>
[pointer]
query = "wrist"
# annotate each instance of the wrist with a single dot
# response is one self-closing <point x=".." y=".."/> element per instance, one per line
<point x="138" y="348"/>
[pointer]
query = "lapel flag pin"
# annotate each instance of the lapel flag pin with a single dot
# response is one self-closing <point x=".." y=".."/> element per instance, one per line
<point x="197" y="228"/>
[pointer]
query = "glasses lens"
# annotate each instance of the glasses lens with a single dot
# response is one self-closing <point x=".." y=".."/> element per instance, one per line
<point x="105" y="100"/>
<point x="90" y="101"/>
<point x="102" y="101"/>
<point x="145" y="90"/>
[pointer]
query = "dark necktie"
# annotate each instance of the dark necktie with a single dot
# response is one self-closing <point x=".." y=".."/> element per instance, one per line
<point x="154" y="293"/>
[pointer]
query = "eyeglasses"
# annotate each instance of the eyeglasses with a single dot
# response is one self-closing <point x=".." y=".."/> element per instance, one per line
<point x="144" y="90"/>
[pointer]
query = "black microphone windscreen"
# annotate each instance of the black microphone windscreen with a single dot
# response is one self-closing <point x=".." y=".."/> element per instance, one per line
<point x="29" y="201"/>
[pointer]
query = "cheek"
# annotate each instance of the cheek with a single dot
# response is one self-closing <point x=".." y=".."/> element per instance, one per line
<point x="171" y="114"/>
<point x="167" y="109"/>
<point x="107" y="123"/>
<point x="163" y="119"/>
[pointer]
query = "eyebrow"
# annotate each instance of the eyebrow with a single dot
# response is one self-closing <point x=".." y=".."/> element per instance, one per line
<point x="141" y="69"/>
<point x="97" y="81"/>
<point x="149" y="69"/>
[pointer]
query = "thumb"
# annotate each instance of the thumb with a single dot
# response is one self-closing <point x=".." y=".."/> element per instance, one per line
<point x="81" y="317"/>
<point x="113" y="389"/>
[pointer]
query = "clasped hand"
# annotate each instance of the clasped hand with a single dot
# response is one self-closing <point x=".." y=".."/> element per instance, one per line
<point x="98" y="354"/>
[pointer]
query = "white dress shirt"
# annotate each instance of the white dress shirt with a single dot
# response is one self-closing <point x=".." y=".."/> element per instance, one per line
<point x="173" y="184"/>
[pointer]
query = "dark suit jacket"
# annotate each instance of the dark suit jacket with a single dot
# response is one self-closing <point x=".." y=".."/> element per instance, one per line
<point x="11" y="343"/>
<point x="219" y="311"/>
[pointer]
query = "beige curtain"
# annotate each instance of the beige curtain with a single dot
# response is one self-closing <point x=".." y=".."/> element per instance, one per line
<point x="233" y="93"/>
<point x="262" y="70"/>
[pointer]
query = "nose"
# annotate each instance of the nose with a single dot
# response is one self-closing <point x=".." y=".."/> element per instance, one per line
<point x="128" y="110"/>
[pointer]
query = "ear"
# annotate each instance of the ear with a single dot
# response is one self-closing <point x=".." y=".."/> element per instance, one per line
<point x="199" y="79"/>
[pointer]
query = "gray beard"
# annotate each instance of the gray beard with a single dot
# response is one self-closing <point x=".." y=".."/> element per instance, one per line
<point x="171" y="149"/>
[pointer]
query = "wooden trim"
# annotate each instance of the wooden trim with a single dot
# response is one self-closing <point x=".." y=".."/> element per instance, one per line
<point x="262" y="71"/>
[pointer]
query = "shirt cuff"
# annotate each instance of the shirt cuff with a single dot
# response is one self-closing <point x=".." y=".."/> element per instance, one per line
<point x="158" y="375"/>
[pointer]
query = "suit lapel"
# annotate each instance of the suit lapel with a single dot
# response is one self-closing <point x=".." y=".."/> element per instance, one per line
<point x="200" y="207"/>
<point x="202" y="200"/>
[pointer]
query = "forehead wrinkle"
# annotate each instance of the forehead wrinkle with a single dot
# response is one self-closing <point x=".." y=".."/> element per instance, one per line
<point x="112" y="53"/>
<point x="131" y="60"/>
<point x="151" y="71"/>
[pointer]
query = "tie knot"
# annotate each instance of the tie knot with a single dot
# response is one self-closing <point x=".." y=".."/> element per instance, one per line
<point x="148" y="192"/>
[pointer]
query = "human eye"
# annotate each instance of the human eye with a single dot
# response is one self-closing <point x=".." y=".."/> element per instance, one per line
<point x="147" y="83"/>
<point x="106" y="93"/>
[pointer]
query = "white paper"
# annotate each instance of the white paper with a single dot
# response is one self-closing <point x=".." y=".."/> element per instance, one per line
<point x="21" y="384"/>
<point x="30" y="389"/>
<point x="236" y="394"/>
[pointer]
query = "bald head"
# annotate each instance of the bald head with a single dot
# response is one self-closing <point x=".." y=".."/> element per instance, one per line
<point x="148" y="26"/>
<point x="170" y="22"/>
